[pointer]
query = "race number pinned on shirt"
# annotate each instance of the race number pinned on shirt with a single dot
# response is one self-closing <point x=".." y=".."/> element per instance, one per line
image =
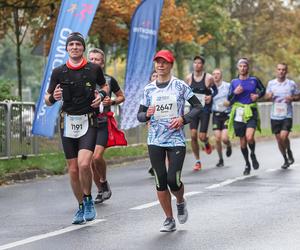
<point x="165" y="106"/>
<point x="239" y="114"/>
<point x="280" y="109"/>
<point x="75" y="126"/>
<point x="201" y="98"/>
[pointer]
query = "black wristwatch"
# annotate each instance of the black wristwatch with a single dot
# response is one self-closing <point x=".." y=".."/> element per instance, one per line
<point x="113" y="102"/>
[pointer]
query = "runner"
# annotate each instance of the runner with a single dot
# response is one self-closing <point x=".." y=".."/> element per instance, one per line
<point x="203" y="86"/>
<point x="220" y="116"/>
<point x="282" y="92"/>
<point x="99" y="167"/>
<point x="163" y="106"/>
<point x="244" y="117"/>
<point x="74" y="83"/>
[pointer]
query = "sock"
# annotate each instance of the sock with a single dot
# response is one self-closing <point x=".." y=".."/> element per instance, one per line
<point x="245" y="154"/>
<point x="252" y="147"/>
<point x="87" y="196"/>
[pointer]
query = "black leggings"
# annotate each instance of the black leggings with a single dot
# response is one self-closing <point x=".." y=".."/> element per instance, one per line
<point x="172" y="176"/>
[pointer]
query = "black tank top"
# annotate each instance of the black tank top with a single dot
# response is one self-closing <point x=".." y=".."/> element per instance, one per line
<point x="200" y="88"/>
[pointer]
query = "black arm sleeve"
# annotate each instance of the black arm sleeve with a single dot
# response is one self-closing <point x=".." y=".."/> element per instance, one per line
<point x="141" y="115"/>
<point x="231" y="95"/>
<point x="195" y="110"/>
<point x="261" y="90"/>
<point x="215" y="90"/>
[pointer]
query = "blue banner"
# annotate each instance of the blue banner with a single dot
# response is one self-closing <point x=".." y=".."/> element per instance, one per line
<point x="142" y="47"/>
<point x="74" y="15"/>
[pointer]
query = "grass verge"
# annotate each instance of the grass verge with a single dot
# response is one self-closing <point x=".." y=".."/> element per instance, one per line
<point x="55" y="162"/>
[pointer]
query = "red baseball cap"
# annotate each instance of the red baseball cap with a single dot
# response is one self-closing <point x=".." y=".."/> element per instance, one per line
<point x="165" y="54"/>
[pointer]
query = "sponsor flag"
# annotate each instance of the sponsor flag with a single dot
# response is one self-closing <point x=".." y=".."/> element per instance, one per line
<point x="142" y="47"/>
<point x="74" y="15"/>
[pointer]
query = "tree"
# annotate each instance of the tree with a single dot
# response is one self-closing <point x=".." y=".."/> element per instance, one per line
<point x="16" y="18"/>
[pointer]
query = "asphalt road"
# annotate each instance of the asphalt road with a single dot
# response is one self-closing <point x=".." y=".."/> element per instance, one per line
<point x="226" y="209"/>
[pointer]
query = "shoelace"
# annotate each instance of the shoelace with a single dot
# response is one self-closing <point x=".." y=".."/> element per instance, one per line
<point x="180" y="209"/>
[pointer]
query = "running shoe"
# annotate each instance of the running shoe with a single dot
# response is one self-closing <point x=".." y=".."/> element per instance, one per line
<point x="197" y="166"/>
<point x="207" y="148"/>
<point x="169" y="225"/>
<point x="99" y="197"/>
<point x="247" y="170"/>
<point x="182" y="213"/>
<point x="220" y="163"/>
<point x="89" y="208"/>
<point x="78" y="217"/>
<point x="285" y="165"/>
<point x="106" y="191"/>
<point x="228" y="151"/>
<point x="151" y="171"/>
<point x="290" y="156"/>
<point x="255" y="163"/>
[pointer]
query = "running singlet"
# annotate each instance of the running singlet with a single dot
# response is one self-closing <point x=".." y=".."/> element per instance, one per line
<point x="251" y="85"/>
<point x="169" y="102"/>
<point x="221" y="97"/>
<point x="280" y="108"/>
<point x="200" y="90"/>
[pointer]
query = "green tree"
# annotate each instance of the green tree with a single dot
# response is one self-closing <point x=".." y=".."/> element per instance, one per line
<point x="16" y="18"/>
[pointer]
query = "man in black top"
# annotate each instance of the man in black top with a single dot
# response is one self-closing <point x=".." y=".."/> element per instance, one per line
<point x="204" y="88"/>
<point x="97" y="56"/>
<point x="74" y="83"/>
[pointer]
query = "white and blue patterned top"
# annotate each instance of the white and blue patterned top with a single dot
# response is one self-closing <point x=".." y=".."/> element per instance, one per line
<point x="280" y="108"/>
<point x="159" y="133"/>
<point x="221" y="97"/>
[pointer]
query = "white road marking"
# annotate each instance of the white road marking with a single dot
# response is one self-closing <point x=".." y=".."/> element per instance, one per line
<point x="229" y="181"/>
<point x="155" y="203"/>
<point x="272" y="169"/>
<point x="48" y="235"/>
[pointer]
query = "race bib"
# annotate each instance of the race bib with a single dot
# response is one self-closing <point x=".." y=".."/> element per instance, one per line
<point x="201" y="98"/>
<point x="165" y="106"/>
<point x="239" y="114"/>
<point x="220" y="106"/>
<point x="280" y="109"/>
<point x="75" y="126"/>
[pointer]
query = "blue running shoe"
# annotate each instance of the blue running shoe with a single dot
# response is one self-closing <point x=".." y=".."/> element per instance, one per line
<point x="89" y="208"/>
<point x="79" y="216"/>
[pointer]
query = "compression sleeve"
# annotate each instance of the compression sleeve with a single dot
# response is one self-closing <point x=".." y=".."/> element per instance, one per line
<point x="195" y="110"/>
<point x="141" y="115"/>
<point x="231" y="95"/>
<point x="215" y="90"/>
<point x="261" y="90"/>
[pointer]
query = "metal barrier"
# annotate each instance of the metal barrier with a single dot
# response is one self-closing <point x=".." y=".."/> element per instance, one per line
<point x="16" y="120"/>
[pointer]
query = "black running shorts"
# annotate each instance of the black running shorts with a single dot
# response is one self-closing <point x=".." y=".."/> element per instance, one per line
<point x="203" y="119"/>
<point x="278" y="125"/>
<point x="240" y="127"/>
<point x="218" y="120"/>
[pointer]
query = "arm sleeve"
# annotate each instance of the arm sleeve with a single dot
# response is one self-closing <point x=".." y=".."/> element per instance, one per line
<point x="141" y="115"/>
<point x="195" y="110"/>
<point x="231" y="95"/>
<point x="260" y="89"/>
<point x="215" y="90"/>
